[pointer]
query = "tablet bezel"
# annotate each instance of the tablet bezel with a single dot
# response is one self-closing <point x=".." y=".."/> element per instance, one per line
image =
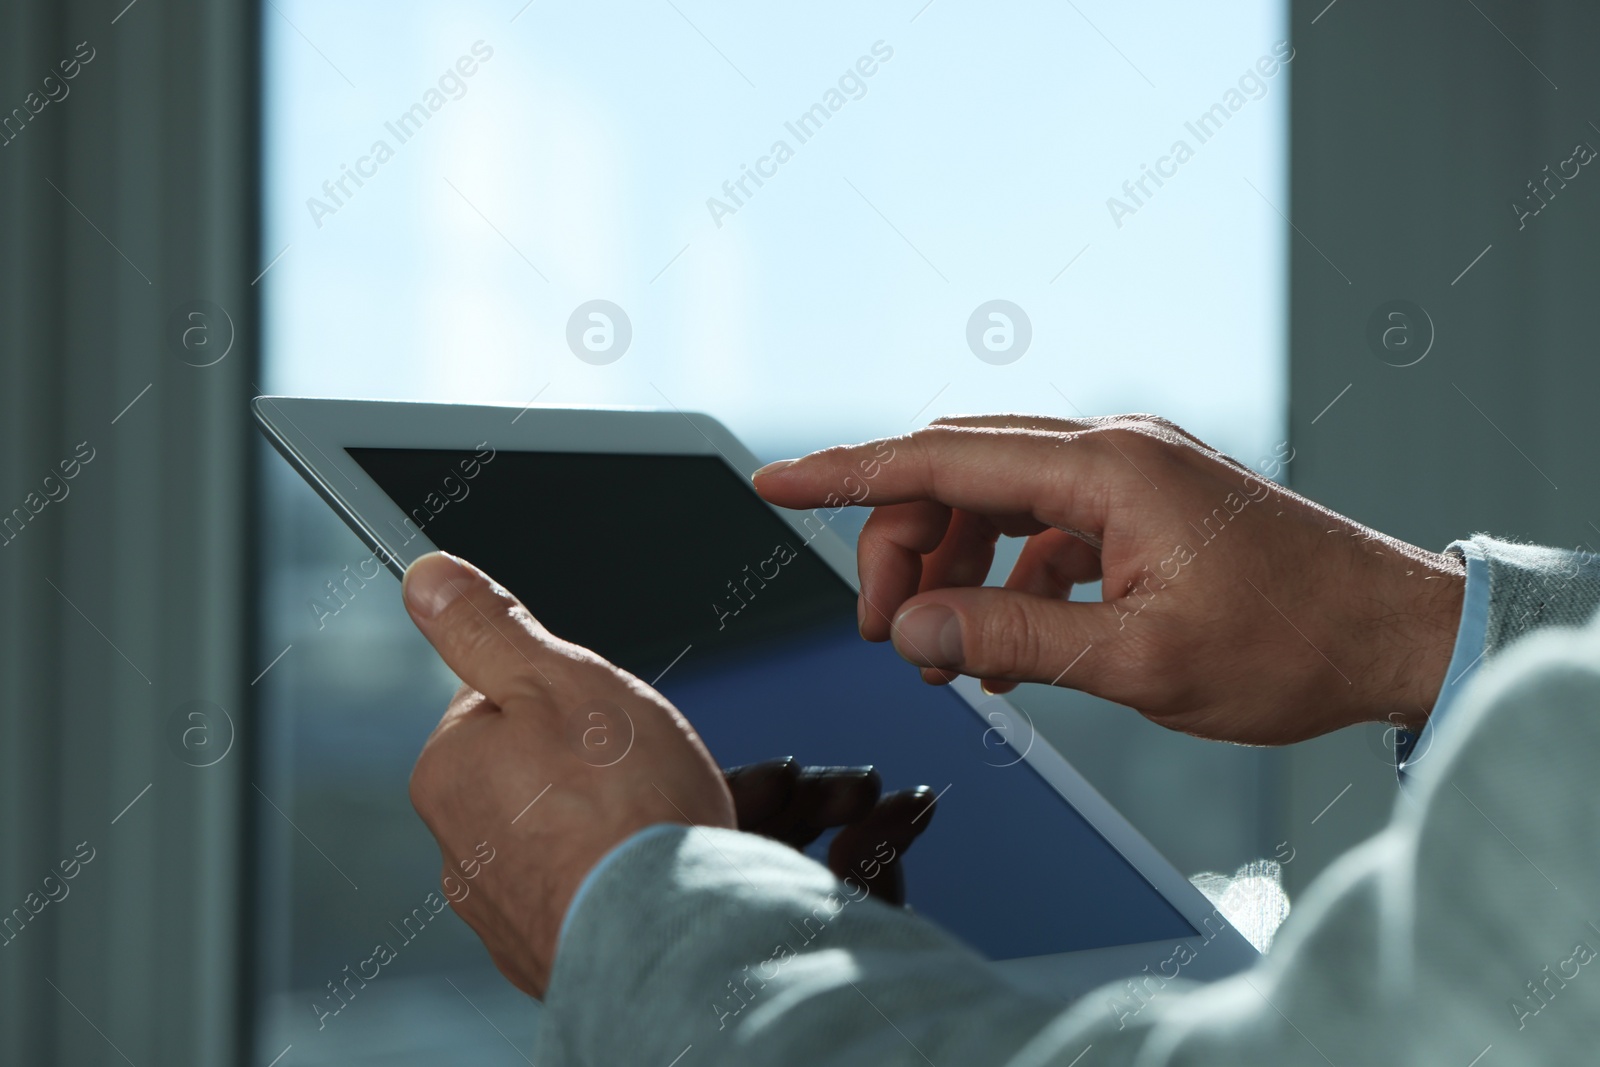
<point x="314" y="433"/>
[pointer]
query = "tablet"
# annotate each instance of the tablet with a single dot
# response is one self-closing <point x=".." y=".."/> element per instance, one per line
<point x="638" y="534"/>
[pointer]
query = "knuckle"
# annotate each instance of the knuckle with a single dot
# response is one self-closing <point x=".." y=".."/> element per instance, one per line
<point x="1008" y="638"/>
<point x="1147" y="441"/>
<point x="928" y="444"/>
<point x="423" y="784"/>
<point x="937" y="435"/>
<point x="1129" y="437"/>
<point x="478" y="641"/>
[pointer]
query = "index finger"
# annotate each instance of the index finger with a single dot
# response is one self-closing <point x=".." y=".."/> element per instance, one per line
<point x="1057" y="477"/>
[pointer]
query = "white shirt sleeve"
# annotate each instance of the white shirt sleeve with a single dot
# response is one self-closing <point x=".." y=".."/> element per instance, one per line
<point x="1471" y="644"/>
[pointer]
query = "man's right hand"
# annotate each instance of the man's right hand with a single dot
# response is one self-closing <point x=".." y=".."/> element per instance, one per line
<point x="1231" y="608"/>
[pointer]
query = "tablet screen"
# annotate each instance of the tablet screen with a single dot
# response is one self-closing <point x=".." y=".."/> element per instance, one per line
<point x="674" y="569"/>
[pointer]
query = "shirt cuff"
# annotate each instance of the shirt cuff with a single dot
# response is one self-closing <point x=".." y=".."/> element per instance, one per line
<point x="605" y="861"/>
<point x="1471" y="643"/>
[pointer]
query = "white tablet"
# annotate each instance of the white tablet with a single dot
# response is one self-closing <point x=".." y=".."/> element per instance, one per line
<point x="638" y="534"/>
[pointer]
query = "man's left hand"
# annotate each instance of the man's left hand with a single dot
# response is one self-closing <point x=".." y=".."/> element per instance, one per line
<point x="520" y="764"/>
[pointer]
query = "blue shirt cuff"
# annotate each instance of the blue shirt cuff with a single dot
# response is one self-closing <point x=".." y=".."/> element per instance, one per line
<point x="1471" y="643"/>
<point x="605" y="861"/>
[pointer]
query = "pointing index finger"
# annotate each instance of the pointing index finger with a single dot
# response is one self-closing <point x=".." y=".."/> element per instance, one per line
<point x="1059" y="478"/>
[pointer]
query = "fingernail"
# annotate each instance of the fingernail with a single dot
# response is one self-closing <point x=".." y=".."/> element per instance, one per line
<point x="929" y="635"/>
<point x="863" y="773"/>
<point x="763" y="770"/>
<point x="771" y="468"/>
<point x="433" y="582"/>
<point x="861" y="615"/>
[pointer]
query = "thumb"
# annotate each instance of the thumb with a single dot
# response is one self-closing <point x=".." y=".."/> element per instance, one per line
<point x="480" y="630"/>
<point x="1002" y="634"/>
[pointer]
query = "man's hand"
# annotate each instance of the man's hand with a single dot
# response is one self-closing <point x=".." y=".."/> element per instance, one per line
<point x="795" y="805"/>
<point x="517" y="764"/>
<point x="1231" y="608"/>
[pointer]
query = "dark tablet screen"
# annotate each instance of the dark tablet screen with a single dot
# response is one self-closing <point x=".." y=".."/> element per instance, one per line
<point x="673" y="568"/>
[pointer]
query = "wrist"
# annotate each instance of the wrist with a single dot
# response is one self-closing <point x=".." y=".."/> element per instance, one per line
<point x="606" y="859"/>
<point x="1420" y="639"/>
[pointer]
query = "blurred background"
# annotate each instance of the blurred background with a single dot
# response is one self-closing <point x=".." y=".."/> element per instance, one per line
<point x="200" y="202"/>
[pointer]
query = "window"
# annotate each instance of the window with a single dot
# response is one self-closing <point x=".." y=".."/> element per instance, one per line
<point x="816" y="223"/>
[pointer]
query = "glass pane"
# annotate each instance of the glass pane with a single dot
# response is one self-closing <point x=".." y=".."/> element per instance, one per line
<point x="800" y="220"/>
